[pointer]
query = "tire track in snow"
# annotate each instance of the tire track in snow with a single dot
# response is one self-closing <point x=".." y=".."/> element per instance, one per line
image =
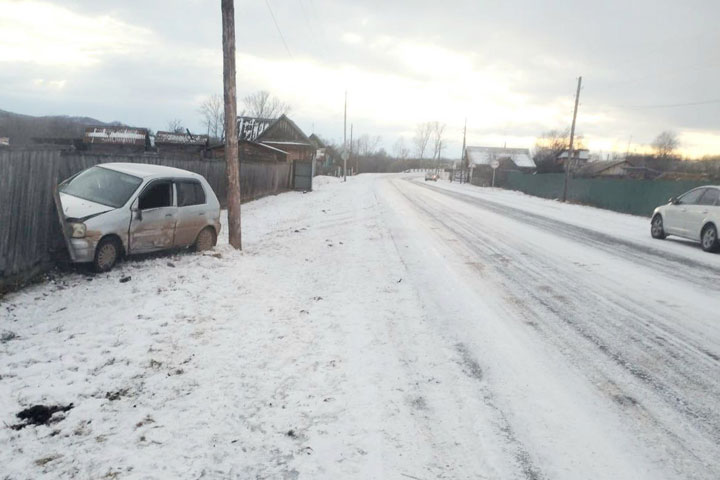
<point x="472" y="369"/>
<point x="435" y="428"/>
<point x="666" y="262"/>
<point x="619" y="330"/>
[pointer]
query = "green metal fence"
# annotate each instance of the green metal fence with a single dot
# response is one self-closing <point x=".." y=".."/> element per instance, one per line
<point x="638" y="197"/>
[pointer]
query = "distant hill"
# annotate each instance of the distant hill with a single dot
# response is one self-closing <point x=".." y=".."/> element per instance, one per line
<point x="23" y="128"/>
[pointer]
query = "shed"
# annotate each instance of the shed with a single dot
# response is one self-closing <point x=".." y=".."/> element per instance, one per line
<point x="515" y="158"/>
<point x="180" y="142"/>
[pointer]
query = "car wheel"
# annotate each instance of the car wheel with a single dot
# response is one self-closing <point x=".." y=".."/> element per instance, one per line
<point x="656" y="227"/>
<point x="106" y="254"/>
<point x="709" y="238"/>
<point x="205" y="240"/>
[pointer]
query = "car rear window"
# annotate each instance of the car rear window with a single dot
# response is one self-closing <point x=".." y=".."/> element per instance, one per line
<point x="710" y="197"/>
<point x="190" y="193"/>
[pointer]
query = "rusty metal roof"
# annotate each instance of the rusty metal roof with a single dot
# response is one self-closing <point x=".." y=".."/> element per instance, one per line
<point x="172" y="138"/>
<point x="250" y="128"/>
<point x="116" y="135"/>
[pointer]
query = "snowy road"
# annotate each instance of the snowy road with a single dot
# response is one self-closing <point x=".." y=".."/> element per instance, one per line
<point x="383" y="328"/>
<point x="601" y="347"/>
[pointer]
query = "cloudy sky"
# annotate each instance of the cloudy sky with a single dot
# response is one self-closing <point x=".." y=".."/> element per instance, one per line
<point x="509" y="67"/>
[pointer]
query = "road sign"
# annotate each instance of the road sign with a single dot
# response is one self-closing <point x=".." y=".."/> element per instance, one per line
<point x="494" y="164"/>
<point x="345" y="156"/>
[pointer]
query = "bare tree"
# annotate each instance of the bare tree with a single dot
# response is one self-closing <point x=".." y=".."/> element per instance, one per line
<point x="399" y="150"/>
<point x="176" y="126"/>
<point x="665" y="144"/>
<point x="437" y="132"/>
<point x="213" y="116"/>
<point x="263" y="105"/>
<point x="232" y="163"/>
<point x="548" y="147"/>
<point x="423" y="131"/>
<point x="365" y="145"/>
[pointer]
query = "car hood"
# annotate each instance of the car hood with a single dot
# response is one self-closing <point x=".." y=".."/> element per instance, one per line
<point x="75" y="207"/>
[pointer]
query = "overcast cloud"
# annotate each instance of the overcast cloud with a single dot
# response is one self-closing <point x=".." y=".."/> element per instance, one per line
<point x="509" y="67"/>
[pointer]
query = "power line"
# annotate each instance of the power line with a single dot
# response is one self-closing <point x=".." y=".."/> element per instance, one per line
<point x="267" y="2"/>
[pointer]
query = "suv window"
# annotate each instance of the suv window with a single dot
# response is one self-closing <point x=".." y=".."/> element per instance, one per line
<point x="692" y="197"/>
<point x="710" y="197"/>
<point x="190" y="193"/>
<point x="158" y="195"/>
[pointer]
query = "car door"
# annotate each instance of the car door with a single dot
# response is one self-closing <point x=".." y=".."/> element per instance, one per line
<point x="696" y="214"/>
<point x="674" y="219"/>
<point x="192" y="211"/>
<point x="154" y="216"/>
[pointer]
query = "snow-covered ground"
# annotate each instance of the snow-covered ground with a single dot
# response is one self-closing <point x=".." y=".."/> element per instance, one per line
<point x="381" y="328"/>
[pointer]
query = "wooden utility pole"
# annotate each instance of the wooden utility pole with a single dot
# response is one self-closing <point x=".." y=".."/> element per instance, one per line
<point x="232" y="160"/>
<point x="463" y="162"/>
<point x="572" y="137"/>
<point x="351" y="149"/>
<point x="345" y="154"/>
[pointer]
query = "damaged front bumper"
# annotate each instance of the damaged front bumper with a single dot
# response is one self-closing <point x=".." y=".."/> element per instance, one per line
<point x="83" y="249"/>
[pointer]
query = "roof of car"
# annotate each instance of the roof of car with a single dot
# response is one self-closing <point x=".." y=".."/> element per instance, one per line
<point x="145" y="170"/>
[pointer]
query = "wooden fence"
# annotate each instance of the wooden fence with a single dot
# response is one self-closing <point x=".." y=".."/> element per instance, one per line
<point x="30" y="237"/>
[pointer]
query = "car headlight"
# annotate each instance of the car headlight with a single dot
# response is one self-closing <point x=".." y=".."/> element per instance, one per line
<point x="78" y="230"/>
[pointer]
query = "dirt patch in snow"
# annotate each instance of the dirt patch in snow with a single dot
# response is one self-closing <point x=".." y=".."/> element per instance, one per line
<point x="40" y="415"/>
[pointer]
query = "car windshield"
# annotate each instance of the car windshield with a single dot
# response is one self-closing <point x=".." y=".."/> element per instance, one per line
<point x="102" y="185"/>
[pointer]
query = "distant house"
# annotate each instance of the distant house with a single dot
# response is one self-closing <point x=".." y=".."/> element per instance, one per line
<point x="509" y="158"/>
<point x="324" y="156"/>
<point x="4" y="141"/>
<point x="580" y="157"/>
<point x="116" y="139"/>
<point x="284" y="134"/>
<point x="171" y="142"/>
<point x="606" y="169"/>
<point x="481" y="159"/>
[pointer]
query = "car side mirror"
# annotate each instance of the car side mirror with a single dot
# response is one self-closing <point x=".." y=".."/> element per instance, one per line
<point x="674" y="200"/>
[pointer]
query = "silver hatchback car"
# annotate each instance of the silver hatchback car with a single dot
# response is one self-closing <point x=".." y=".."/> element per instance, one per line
<point x="116" y="209"/>
<point x="694" y="215"/>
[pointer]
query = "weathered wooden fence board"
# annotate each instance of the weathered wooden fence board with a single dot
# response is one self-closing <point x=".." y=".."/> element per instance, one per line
<point x="29" y="232"/>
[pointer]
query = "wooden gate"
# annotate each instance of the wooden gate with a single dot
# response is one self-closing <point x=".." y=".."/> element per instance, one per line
<point x="303" y="175"/>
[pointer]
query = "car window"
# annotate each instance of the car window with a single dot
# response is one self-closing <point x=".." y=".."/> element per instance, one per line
<point x="190" y="193"/>
<point x="102" y="185"/>
<point x="159" y="194"/>
<point x="692" y="197"/>
<point x="710" y="197"/>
